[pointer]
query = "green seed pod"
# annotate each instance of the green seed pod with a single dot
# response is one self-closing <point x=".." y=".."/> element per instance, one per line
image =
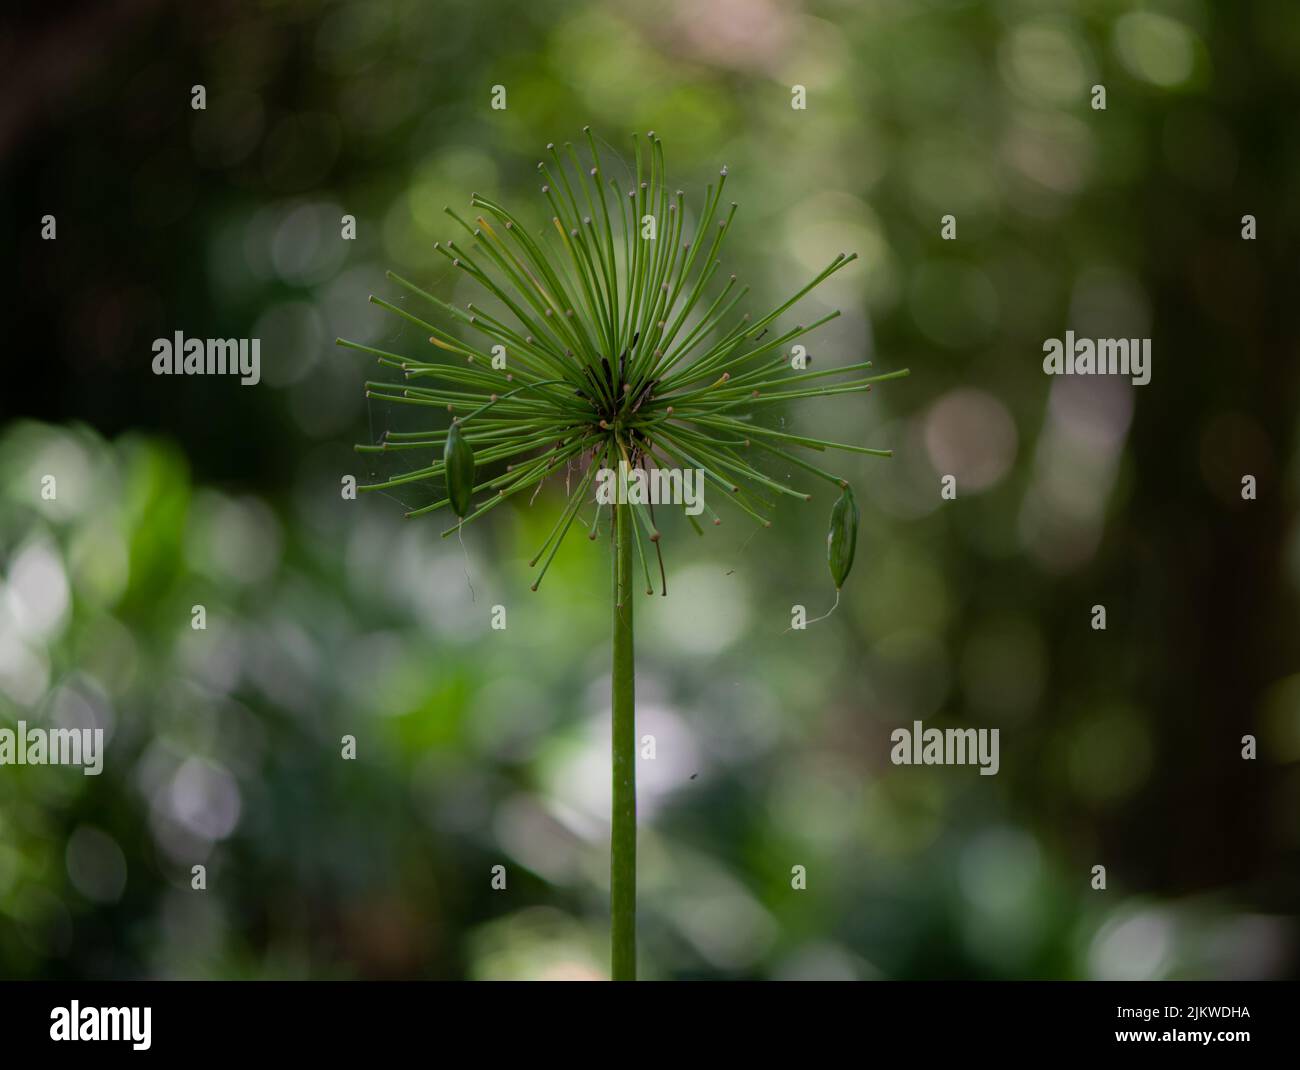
<point x="842" y="539"/>
<point x="459" y="460"/>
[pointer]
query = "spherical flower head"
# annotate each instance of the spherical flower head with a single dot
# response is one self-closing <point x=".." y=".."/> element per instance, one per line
<point x="615" y="349"/>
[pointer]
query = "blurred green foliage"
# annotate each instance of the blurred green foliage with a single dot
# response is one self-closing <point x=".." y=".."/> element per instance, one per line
<point x="475" y="747"/>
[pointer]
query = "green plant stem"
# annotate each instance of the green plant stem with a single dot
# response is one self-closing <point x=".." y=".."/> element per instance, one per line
<point x="622" y="868"/>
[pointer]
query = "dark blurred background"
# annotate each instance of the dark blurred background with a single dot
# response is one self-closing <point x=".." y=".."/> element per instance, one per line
<point x="477" y="747"/>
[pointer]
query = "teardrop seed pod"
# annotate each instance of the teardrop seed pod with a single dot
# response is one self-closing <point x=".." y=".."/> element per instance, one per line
<point x="459" y="461"/>
<point x="842" y="539"/>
